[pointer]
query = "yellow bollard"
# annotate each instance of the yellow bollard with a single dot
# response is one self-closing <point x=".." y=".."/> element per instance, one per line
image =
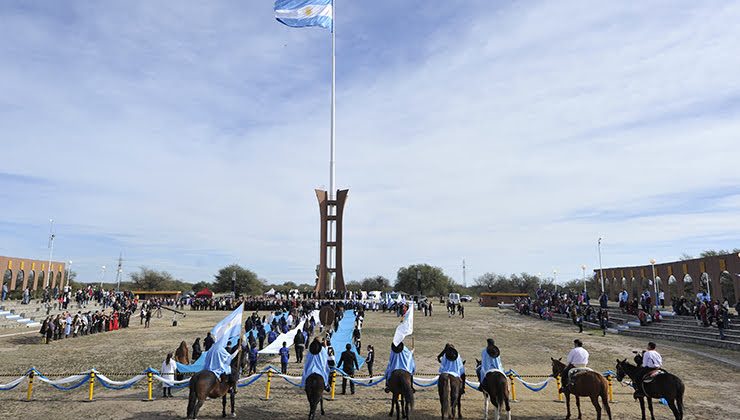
<point x="513" y="388"/>
<point x="333" y="384"/>
<point x="611" y="391"/>
<point x="149" y="380"/>
<point x="92" y="385"/>
<point x="560" y="396"/>
<point x="269" y="382"/>
<point x="30" y="386"/>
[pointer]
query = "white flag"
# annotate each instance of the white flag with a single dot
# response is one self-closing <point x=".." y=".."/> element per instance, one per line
<point x="406" y="327"/>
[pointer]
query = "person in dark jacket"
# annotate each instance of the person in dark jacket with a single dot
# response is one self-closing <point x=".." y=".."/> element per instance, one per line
<point x="357" y="337"/>
<point x="370" y="359"/>
<point x="348" y="363"/>
<point x="208" y="342"/>
<point x="299" y="342"/>
<point x="197" y="351"/>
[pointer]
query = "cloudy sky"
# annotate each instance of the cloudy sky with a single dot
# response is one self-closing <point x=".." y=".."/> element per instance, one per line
<point x="190" y="135"/>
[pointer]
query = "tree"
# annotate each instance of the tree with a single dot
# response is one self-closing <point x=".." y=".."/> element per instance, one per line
<point x="197" y="287"/>
<point x="376" y="283"/>
<point x="353" y="286"/>
<point x="148" y="279"/>
<point x="516" y="283"/>
<point x="433" y="280"/>
<point x="685" y="257"/>
<point x="247" y="282"/>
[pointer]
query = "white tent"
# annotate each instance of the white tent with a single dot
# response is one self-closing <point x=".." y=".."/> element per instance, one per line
<point x="270" y="292"/>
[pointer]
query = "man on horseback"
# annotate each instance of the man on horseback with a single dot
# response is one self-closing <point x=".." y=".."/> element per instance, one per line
<point x="490" y="361"/>
<point x="577" y="359"/>
<point x="451" y="363"/>
<point x="400" y="358"/>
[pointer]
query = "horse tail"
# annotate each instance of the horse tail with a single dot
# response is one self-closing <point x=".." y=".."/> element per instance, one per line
<point x="680" y="388"/>
<point x="409" y="391"/>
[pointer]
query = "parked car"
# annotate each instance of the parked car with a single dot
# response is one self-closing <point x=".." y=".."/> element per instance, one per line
<point x="453" y="298"/>
<point x="466" y="298"/>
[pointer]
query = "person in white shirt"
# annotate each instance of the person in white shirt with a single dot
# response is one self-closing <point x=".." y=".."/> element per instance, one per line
<point x="168" y="372"/>
<point x="651" y="359"/>
<point x="577" y="358"/>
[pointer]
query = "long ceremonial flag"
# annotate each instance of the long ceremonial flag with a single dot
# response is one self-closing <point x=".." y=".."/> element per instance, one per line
<point x="229" y="327"/>
<point x="302" y="13"/>
<point x="406" y="327"/>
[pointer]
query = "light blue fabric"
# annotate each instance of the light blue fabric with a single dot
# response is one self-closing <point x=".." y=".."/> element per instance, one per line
<point x="452" y="367"/>
<point x="218" y="360"/>
<point x="343" y="336"/>
<point x="268" y="327"/>
<point x="230" y="326"/>
<point x="322" y="21"/>
<point x="490" y="363"/>
<point x="403" y="360"/>
<point x="318" y="363"/>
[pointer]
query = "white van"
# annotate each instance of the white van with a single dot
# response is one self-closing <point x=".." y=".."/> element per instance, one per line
<point x="454" y="298"/>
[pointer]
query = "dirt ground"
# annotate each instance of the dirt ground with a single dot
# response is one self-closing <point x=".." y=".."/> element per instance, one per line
<point x="712" y="385"/>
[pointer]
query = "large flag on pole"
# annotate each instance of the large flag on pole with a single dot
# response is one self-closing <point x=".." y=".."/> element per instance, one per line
<point x="301" y="13"/>
<point x="406" y="327"/>
<point x="229" y="327"/>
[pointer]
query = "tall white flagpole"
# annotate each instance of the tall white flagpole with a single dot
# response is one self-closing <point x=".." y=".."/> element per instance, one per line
<point x="332" y="170"/>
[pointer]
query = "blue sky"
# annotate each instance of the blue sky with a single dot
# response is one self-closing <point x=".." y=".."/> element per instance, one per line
<point x="190" y="135"/>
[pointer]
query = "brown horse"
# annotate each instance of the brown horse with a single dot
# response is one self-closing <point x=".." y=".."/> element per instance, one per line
<point x="450" y="393"/>
<point x="182" y="356"/>
<point x="664" y="385"/>
<point x="400" y="385"/>
<point x="495" y="387"/>
<point x="314" y="384"/>
<point x="585" y="384"/>
<point x="205" y="384"/>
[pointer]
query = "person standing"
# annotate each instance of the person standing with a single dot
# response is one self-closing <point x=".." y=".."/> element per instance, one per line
<point x="197" y="351"/>
<point x="348" y="363"/>
<point x="168" y="372"/>
<point x="370" y="359"/>
<point x="603" y="300"/>
<point x="284" y="358"/>
<point x="299" y="342"/>
<point x="148" y="318"/>
<point x="253" y="352"/>
<point x="208" y="341"/>
<point x="357" y="338"/>
<point x="5" y="291"/>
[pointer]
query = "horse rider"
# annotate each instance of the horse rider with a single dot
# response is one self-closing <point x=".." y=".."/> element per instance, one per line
<point x="348" y="363"/>
<point x="651" y="359"/>
<point x="452" y="364"/>
<point x="316" y="361"/>
<point x="577" y="359"/>
<point x="400" y="358"/>
<point x="490" y="360"/>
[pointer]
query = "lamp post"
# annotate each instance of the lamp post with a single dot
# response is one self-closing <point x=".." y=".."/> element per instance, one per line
<point x="69" y="271"/>
<point x="233" y="283"/>
<point x="601" y="268"/>
<point x="555" y="279"/>
<point x="418" y="281"/>
<point x="47" y="281"/>
<point x="583" y="267"/>
<point x="655" y="282"/>
<point x="102" y="277"/>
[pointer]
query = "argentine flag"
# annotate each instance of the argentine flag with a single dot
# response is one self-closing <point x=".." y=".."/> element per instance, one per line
<point x="300" y="13"/>
<point x="228" y="327"/>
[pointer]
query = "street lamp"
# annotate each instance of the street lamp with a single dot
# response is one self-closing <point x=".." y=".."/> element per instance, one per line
<point x="102" y="276"/>
<point x="555" y="279"/>
<point x="655" y="282"/>
<point x="601" y="269"/>
<point x="583" y="267"/>
<point x="418" y="281"/>
<point x="47" y="280"/>
<point x="233" y="283"/>
<point x="69" y="271"/>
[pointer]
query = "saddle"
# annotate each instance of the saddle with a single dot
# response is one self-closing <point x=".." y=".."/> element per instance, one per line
<point x="577" y="370"/>
<point x="651" y="375"/>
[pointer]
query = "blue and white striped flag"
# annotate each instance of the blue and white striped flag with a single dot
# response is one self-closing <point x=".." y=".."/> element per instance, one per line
<point x="300" y="13"/>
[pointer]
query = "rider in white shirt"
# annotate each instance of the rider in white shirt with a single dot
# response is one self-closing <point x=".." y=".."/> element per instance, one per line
<point x="577" y="358"/>
<point x="651" y="359"/>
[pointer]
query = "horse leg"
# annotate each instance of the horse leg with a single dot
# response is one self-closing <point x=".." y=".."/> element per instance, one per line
<point x="485" y="407"/>
<point x="650" y="406"/>
<point x="223" y="404"/>
<point x="459" y="406"/>
<point x="567" y="406"/>
<point x="578" y="406"/>
<point x="597" y="406"/>
<point x="672" y="406"/>
<point x="642" y="407"/>
<point x="233" y="397"/>
<point x="321" y="404"/>
<point x="394" y="396"/>
<point x="198" y="405"/>
<point x="605" y="400"/>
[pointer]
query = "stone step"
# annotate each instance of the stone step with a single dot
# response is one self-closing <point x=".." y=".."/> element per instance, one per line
<point x="713" y="342"/>
<point x="13" y="316"/>
<point x="33" y="324"/>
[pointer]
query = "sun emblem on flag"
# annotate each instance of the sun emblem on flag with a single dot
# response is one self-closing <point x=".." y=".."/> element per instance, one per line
<point x="308" y="11"/>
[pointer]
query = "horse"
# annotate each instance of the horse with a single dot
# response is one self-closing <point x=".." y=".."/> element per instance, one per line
<point x="402" y="401"/>
<point x="181" y="356"/>
<point x="664" y="385"/>
<point x="315" y="394"/>
<point x="496" y="388"/>
<point x="205" y="384"/>
<point x="450" y="393"/>
<point x="585" y="384"/>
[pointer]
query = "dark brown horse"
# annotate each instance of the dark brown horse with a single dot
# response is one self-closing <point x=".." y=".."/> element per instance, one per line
<point x="664" y="385"/>
<point x="400" y="385"/>
<point x="205" y="384"/>
<point x="314" y="384"/>
<point x="496" y="388"/>
<point x="450" y="393"/>
<point x="585" y="384"/>
<point x="182" y="356"/>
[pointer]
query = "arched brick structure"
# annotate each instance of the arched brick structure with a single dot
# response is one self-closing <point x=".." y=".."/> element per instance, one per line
<point x="21" y="269"/>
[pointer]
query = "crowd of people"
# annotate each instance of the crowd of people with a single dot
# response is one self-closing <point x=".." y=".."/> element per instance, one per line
<point x="574" y="305"/>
